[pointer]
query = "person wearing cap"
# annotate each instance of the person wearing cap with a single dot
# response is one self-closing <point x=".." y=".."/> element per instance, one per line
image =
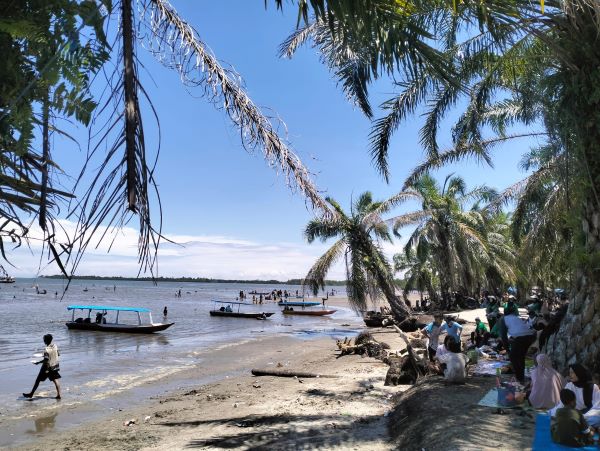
<point x="517" y="337"/>
<point x="49" y="369"/>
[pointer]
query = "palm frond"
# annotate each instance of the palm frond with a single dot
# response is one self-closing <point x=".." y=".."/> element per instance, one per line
<point x="176" y="44"/>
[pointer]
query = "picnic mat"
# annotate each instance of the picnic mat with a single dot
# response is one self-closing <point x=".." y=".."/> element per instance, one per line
<point x="491" y="400"/>
<point x="487" y="367"/>
<point x="542" y="439"/>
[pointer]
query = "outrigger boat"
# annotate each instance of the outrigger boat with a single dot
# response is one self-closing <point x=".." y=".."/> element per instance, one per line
<point x="298" y="303"/>
<point x="291" y="311"/>
<point x="229" y="309"/>
<point x="100" y="323"/>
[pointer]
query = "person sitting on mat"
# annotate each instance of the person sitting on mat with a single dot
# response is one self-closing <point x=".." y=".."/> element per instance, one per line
<point x="455" y="361"/>
<point x="546" y="384"/>
<point x="570" y="427"/>
<point x="586" y="392"/>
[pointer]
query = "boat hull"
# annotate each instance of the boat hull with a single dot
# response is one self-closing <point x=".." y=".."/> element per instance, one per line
<point x="240" y="315"/>
<point x="308" y="312"/>
<point x="125" y="328"/>
<point x="298" y="303"/>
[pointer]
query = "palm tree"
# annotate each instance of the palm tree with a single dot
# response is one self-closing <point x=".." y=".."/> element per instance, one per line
<point x="463" y="248"/>
<point x="359" y="235"/>
<point x="504" y="56"/>
<point x="123" y="187"/>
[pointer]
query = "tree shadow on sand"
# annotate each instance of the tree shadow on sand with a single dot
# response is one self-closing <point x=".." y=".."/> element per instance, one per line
<point x="290" y="431"/>
<point x="433" y="415"/>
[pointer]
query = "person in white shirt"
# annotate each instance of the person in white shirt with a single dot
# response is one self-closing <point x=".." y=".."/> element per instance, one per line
<point x="456" y="363"/>
<point x="521" y="338"/>
<point x="587" y="394"/>
<point x="432" y="331"/>
<point x="49" y="369"/>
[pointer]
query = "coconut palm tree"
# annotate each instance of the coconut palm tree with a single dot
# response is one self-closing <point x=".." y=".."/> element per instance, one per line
<point x="359" y="235"/>
<point x="500" y="53"/>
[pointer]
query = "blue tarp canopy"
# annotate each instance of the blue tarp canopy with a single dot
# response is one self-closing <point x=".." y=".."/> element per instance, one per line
<point x="232" y="302"/>
<point x="106" y="307"/>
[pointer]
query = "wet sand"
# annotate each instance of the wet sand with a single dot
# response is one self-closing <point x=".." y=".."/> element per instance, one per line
<point x="219" y="405"/>
<point x="212" y="395"/>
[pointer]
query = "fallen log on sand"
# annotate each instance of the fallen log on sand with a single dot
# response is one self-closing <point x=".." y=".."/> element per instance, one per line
<point x="285" y="373"/>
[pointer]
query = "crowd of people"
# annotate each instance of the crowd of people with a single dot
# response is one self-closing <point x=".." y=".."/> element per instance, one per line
<point x="573" y="402"/>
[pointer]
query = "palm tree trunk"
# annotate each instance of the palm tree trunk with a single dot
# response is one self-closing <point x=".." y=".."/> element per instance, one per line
<point x="45" y="158"/>
<point x="578" y="338"/>
<point x="130" y="102"/>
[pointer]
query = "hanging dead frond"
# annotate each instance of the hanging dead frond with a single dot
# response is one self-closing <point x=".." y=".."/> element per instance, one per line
<point x="120" y="187"/>
<point x="176" y="44"/>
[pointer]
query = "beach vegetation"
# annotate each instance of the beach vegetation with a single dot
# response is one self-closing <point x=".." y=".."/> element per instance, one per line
<point x="57" y="53"/>
<point x="359" y="237"/>
<point x="507" y="70"/>
<point x="455" y="245"/>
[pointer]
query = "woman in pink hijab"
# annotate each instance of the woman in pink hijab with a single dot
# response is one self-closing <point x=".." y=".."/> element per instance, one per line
<point x="546" y="384"/>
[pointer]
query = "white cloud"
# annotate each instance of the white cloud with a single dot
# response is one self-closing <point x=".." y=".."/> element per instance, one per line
<point x="193" y="256"/>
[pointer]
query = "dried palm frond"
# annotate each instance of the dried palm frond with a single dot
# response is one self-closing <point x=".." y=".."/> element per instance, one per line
<point x="176" y="44"/>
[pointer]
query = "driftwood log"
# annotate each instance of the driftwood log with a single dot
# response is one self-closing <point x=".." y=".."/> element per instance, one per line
<point x="286" y="373"/>
<point x="407" y="369"/>
<point x="364" y="343"/>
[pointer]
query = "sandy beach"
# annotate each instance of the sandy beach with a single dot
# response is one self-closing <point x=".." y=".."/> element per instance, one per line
<point x="228" y="408"/>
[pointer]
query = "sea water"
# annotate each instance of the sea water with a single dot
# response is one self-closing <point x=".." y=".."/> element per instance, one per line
<point x="96" y="364"/>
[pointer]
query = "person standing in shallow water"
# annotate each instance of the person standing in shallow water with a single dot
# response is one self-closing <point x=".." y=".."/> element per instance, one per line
<point x="49" y="369"/>
<point x="165" y="311"/>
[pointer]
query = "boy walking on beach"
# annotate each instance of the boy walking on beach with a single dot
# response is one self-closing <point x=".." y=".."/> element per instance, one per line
<point x="49" y="369"/>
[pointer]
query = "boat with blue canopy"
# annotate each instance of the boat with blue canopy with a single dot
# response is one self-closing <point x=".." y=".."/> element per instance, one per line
<point x="113" y="324"/>
<point x="233" y="310"/>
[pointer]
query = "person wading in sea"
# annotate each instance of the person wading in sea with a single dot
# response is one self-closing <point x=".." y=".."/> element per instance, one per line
<point x="49" y="368"/>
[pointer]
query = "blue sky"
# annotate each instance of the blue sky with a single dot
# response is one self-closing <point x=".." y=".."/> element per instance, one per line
<point x="215" y="194"/>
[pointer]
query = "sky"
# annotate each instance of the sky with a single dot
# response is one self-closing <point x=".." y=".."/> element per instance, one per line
<point x="231" y="214"/>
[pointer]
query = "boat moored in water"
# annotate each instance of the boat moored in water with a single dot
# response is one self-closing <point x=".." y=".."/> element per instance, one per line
<point x="298" y="303"/>
<point x="232" y="310"/>
<point x="308" y="312"/>
<point x="100" y="323"/>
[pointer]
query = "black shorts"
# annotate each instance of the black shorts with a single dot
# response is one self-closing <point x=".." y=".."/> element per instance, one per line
<point x="431" y="353"/>
<point x="45" y="373"/>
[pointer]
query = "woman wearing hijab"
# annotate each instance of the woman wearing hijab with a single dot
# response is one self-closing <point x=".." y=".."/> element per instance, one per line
<point x="587" y="394"/>
<point x="546" y="384"/>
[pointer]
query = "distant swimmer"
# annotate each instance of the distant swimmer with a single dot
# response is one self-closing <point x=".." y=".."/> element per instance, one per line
<point x="165" y="311"/>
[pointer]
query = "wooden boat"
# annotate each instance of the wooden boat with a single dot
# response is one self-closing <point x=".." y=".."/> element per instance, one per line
<point x="298" y="303"/>
<point x="4" y="277"/>
<point x="228" y="309"/>
<point x="310" y="312"/>
<point x="100" y="323"/>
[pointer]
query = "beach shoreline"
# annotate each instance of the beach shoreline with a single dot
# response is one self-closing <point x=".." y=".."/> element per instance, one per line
<point x="58" y="423"/>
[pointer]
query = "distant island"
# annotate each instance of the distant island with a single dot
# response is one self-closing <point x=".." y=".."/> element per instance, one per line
<point x="195" y="280"/>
